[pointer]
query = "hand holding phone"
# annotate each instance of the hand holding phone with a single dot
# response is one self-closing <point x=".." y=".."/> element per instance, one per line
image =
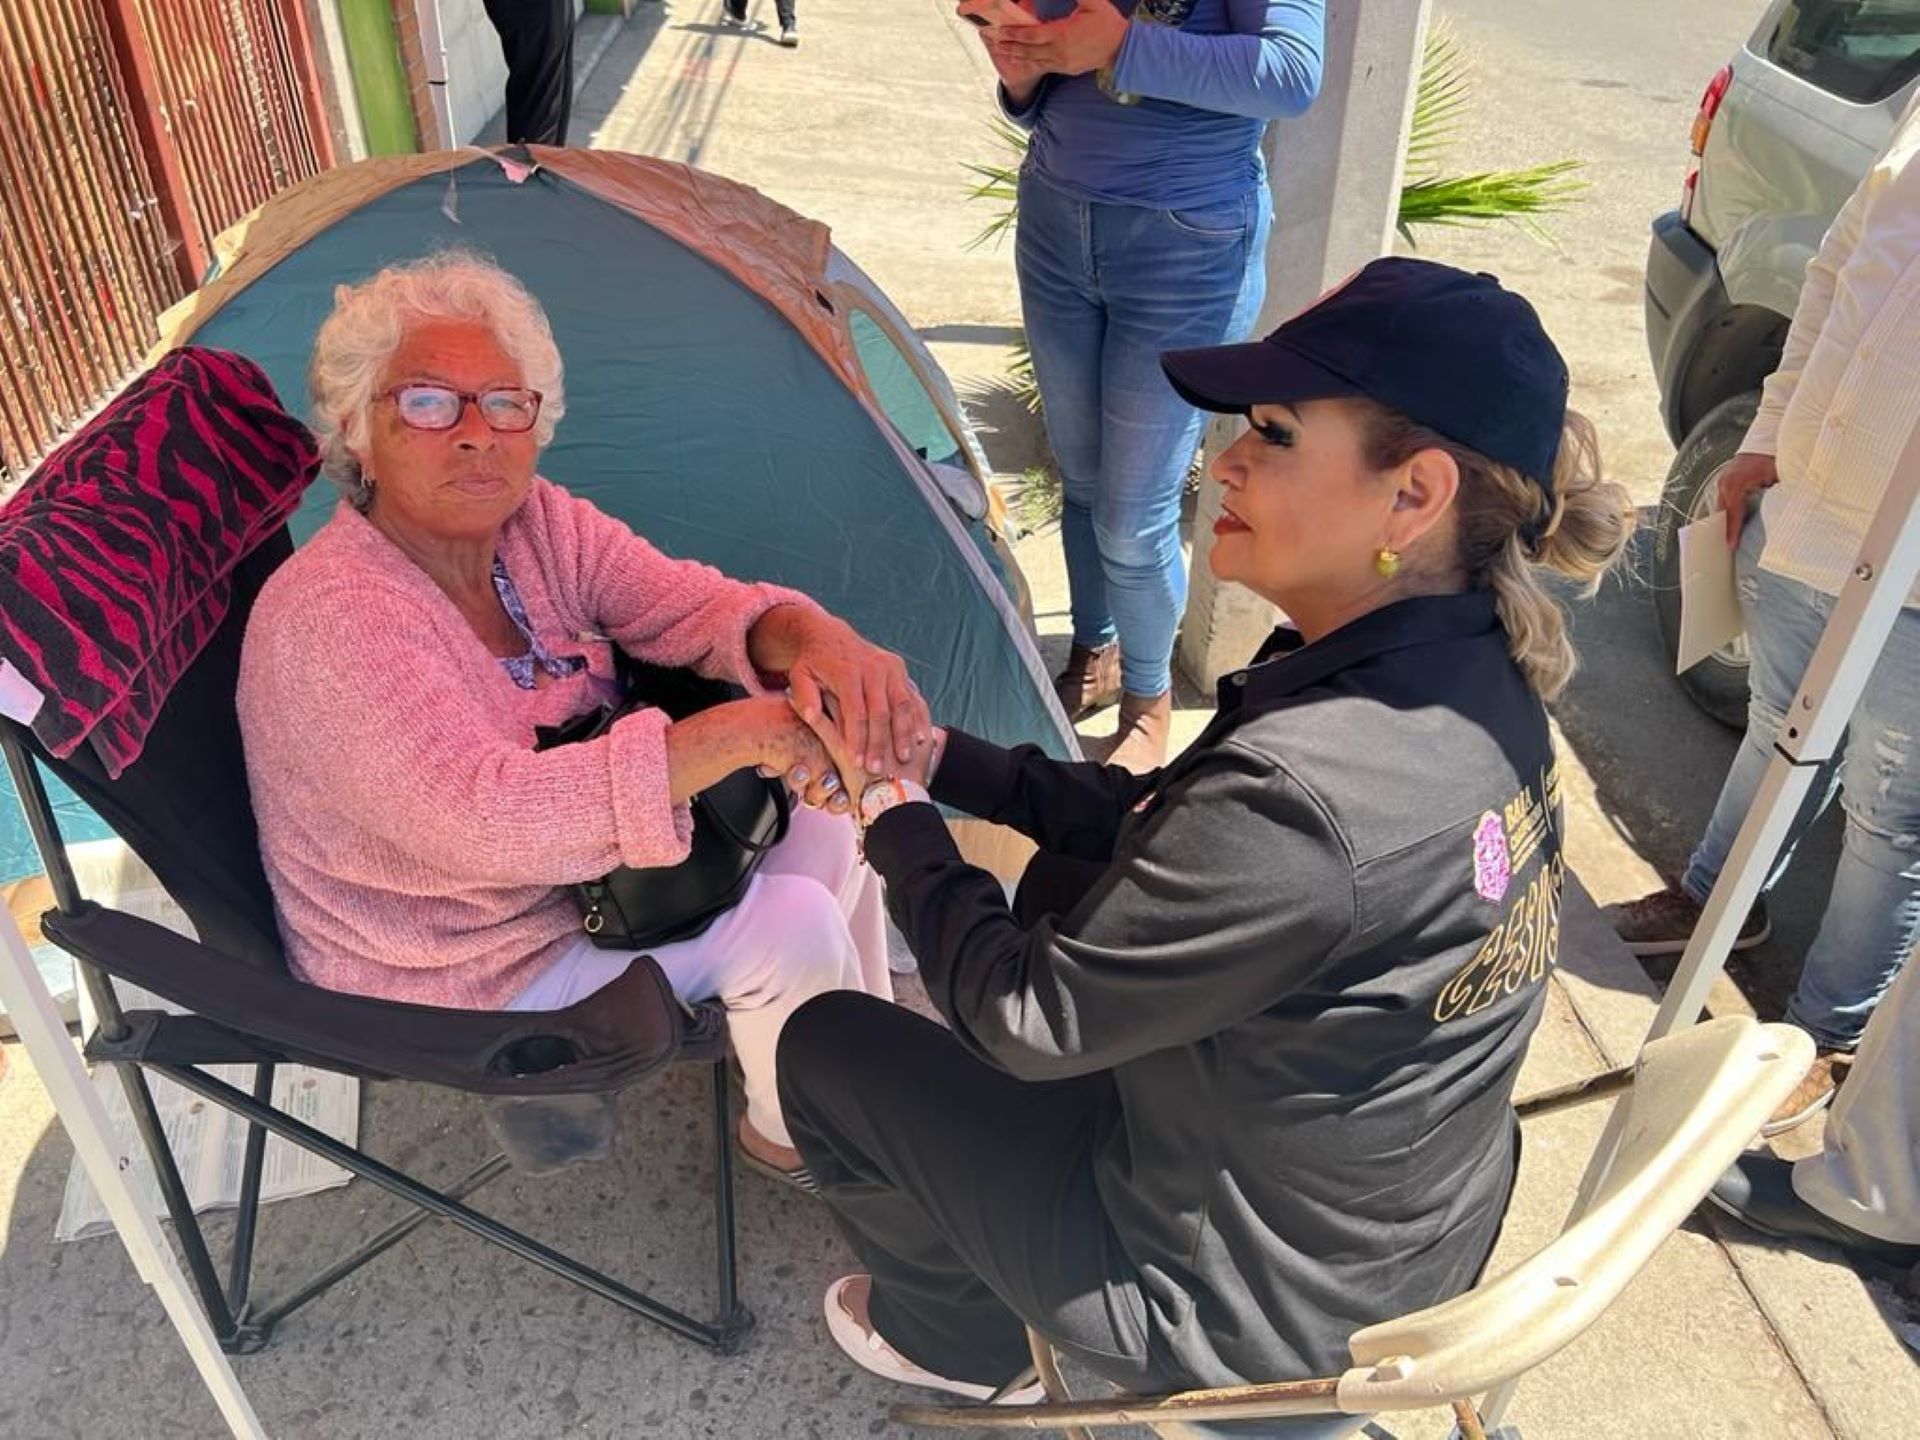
<point x="991" y="14"/>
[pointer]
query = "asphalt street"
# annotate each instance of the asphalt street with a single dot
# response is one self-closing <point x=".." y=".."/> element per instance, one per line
<point x="1553" y="81"/>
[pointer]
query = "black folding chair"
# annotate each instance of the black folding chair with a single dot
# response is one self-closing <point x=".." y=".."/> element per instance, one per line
<point x="183" y="807"/>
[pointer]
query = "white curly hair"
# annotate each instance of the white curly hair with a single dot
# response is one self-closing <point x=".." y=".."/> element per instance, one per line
<point x="370" y="319"/>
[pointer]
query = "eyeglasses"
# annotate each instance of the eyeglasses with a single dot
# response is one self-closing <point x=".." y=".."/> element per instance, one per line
<point x="509" y="410"/>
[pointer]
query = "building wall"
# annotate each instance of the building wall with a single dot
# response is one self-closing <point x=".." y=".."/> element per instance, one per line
<point x="407" y="36"/>
<point x="337" y="89"/>
<point x="476" y="75"/>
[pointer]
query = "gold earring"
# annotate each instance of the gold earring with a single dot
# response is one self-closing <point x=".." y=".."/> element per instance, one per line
<point x="1387" y="562"/>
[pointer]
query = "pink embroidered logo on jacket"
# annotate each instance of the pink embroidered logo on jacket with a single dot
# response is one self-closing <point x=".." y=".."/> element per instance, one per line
<point x="1492" y="863"/>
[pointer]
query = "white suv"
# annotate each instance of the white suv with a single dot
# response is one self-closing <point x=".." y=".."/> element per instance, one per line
<point x="1784" y="133"/>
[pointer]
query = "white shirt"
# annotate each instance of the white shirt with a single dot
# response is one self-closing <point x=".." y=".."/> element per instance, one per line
<point x="1839" y="409"/>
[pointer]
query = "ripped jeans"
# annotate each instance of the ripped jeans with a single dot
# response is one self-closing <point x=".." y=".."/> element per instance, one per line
<point x="1872" y="919"/>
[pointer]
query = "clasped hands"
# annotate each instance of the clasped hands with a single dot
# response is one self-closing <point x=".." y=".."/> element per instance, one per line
<point x="817" y="779"/>
<point x="853" y="716"/>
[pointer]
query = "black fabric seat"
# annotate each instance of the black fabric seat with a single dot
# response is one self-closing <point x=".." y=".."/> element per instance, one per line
<point x="183" y="807"/>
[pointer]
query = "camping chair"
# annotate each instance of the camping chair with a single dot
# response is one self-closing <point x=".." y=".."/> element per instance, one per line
<point x="1698" y="1098"/>
<point x="183" y="807"/>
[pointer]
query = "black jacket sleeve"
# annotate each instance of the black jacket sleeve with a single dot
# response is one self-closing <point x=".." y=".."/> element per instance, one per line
<point x="1070" y="808"/>
<point x="1229" y="894"/>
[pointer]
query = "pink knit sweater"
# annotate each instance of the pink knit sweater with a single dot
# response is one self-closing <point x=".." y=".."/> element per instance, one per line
<point x="413" y="838"/>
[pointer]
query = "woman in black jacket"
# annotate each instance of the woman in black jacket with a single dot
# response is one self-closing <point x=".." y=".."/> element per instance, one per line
<point x="1231" y="1078"/>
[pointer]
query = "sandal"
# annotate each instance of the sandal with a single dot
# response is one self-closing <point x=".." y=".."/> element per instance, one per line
<point x="800" y="1178"/>
<point x="866" y="1348"/>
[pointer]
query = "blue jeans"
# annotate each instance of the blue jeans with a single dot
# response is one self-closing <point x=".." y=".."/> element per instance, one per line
<point x="1872" y="919"/>
<point x="1104" y="289"/>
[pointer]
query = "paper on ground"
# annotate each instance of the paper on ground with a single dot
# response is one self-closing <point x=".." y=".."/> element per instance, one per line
<point x="208" y="1142"/>
<point x="1709" y="600"/>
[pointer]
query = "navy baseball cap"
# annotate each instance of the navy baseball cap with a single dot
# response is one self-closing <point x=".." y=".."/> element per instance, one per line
<point x="1449" y="349"/>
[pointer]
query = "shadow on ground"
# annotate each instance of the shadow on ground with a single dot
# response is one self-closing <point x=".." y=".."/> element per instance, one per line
<point x="675" y="121"/>
<point x="1014" y="437"/>
<point x="407" y="1345"/>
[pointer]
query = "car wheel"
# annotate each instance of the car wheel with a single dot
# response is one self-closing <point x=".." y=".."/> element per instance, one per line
<point x="1718" y="684"/>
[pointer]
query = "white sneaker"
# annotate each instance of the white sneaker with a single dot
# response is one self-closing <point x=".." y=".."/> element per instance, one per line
<point x="867" y="1350"/>
<point x="730" y="16"/>
<point x="789" y="37"/>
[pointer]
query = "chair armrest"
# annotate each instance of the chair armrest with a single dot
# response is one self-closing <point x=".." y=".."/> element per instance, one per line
<point x="609" y="1040"/>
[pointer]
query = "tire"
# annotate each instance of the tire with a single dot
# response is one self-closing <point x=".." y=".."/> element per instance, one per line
<point x="1718" y="684"/>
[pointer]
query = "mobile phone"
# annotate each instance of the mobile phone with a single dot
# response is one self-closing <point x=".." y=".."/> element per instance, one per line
<point x="989" y="13"/>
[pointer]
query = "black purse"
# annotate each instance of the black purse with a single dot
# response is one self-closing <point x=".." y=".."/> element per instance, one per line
<point x="735" y="822"/>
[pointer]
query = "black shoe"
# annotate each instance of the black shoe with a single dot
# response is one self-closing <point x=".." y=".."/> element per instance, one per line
<point x="1758" y="1192"/>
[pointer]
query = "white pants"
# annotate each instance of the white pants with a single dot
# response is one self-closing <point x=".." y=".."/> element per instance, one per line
<point x="1868" y="1173"/>
<point x="811" y="921"/>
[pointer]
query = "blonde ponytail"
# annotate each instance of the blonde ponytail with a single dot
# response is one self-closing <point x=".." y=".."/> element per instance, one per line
<point x="1508" y="532"/>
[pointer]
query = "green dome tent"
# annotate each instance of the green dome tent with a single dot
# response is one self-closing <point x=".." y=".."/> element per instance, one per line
<point x="737" y="391"/>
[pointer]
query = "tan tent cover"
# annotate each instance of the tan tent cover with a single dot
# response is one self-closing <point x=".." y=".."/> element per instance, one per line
<point x="778" y="254"/>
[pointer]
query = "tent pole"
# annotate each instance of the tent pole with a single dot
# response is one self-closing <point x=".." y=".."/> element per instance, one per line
<point x="107" y="1164"/>
<point x="1870" y="602"/>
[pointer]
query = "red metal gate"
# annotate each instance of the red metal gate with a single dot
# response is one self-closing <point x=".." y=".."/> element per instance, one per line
<point x="131" y="133"/>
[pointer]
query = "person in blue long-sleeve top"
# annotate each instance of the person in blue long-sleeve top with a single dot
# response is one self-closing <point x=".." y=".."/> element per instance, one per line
<point x="1143" y="225"/>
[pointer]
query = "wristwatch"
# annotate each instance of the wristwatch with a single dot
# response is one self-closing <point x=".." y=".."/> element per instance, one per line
<point x="882" y="795"/>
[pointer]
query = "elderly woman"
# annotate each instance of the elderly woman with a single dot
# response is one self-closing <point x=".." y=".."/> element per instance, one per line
<point x="396" y="668"/>
<point x="1231" y="1079"/>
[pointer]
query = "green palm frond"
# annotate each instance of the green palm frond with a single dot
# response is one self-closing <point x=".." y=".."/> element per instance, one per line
<point x="1429" y="197"/>
<point x="1441" y="99"/>
<point x="999" y="183"/>
<point x="1040" y="499"/>
<point x="1020" y="372"/>
<point x="1519" y="196"/>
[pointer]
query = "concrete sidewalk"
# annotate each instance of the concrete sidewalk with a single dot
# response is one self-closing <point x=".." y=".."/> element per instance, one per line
<point x="864" y="127"/>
